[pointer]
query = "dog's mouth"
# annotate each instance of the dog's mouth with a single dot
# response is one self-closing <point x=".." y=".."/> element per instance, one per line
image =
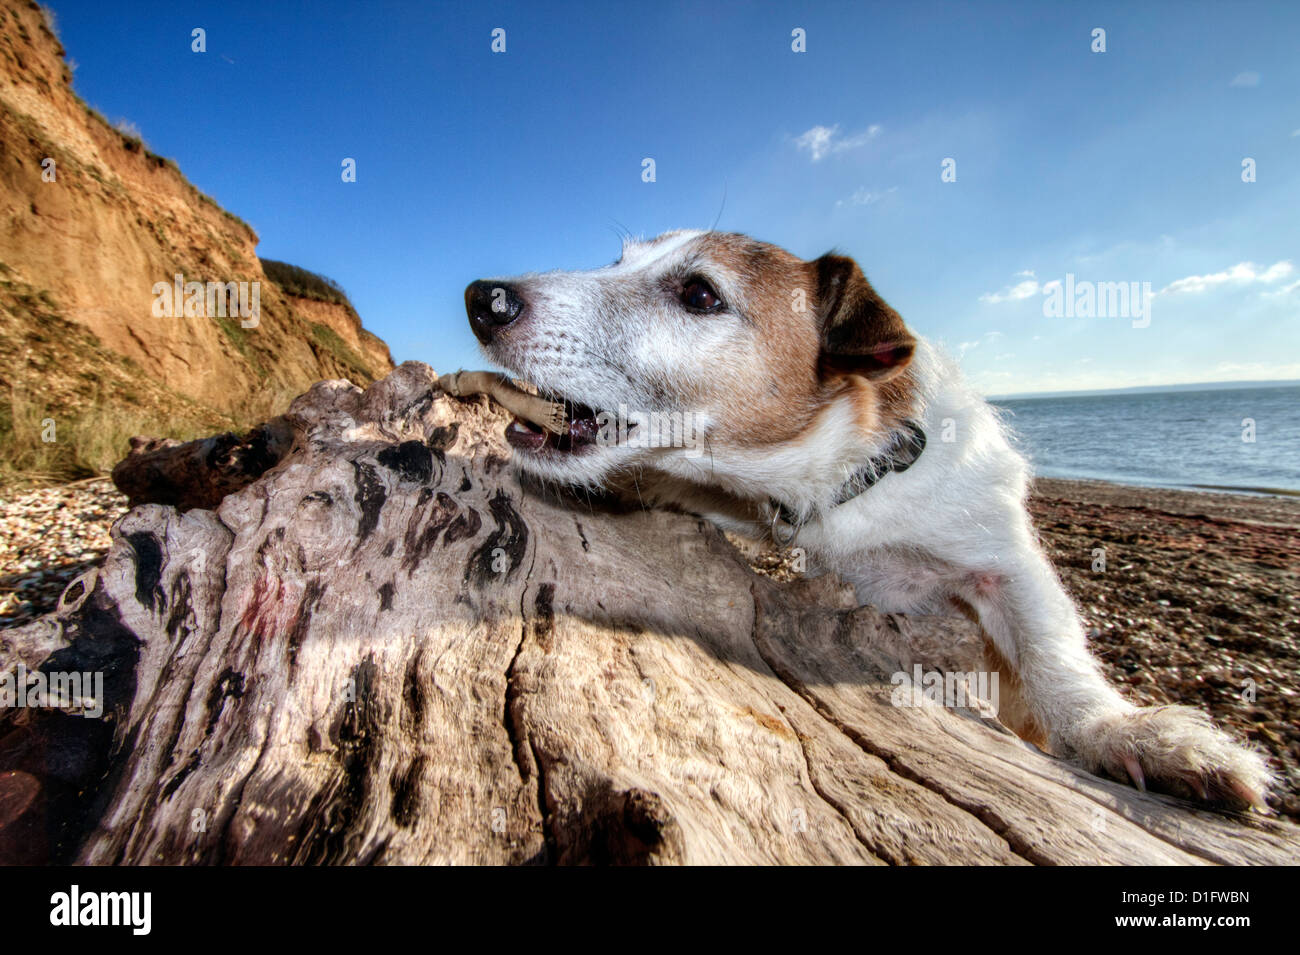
<point x="543" y="422"/>
<point x="582" y="431"/>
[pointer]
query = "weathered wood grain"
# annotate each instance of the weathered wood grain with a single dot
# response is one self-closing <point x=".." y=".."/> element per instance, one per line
<point x="386" y="650"/>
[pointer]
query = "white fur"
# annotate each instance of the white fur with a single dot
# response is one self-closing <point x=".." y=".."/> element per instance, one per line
<point x="953" y="526"/>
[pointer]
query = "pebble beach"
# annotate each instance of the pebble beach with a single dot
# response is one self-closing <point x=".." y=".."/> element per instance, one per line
<point x="48" y="537"/>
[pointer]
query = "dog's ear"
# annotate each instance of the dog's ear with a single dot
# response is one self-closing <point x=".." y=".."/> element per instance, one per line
<point x="861" y="335"/>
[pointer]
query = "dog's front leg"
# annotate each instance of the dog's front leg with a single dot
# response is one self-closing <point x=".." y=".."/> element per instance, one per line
<point x="1034" y="628"/>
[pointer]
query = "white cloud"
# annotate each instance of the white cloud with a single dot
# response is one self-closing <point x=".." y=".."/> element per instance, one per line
<point x="1295" y="133"/>
<point x="1100" y="375"/>
<point x="1255" y="371"/>
<point x="1013" y="293"/>
<point x="1243" y="273"/>
<point x="1284" y="290"/>
<point x="1248" y="78"/>
<point x="821" y="141"/>
<point x="964" y="347"/>
<point x="817" y="141"/>
<point x="865" y="197"/>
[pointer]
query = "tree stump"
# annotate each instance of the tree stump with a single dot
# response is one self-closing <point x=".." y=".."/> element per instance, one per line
<point x="386" y="650"/>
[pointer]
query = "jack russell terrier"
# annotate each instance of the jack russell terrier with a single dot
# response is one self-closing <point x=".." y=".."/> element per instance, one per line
<point x="822" y="416"/>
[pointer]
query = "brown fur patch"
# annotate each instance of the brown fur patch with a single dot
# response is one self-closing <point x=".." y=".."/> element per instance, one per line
<point x="787" y="386"/>
<point x="1012" y="709"/>
<point x="1013" y="713"/>
<point x="777" y="394"/>
<point x="860" y="333"/>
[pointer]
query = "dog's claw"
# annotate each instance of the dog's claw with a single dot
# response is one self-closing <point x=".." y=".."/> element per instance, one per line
<point x="1177" y="750"/>
<point x="1135" y="772"/>
<point x="1252" y="798"/>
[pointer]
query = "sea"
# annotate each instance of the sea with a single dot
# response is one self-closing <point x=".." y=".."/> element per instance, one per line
<point x="1220" y="439"/>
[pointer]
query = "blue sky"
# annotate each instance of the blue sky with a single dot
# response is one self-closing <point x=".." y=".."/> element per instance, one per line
<point x="1122" y="166"/>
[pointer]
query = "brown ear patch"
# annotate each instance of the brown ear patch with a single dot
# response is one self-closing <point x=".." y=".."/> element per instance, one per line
<point x="860" y="333"/>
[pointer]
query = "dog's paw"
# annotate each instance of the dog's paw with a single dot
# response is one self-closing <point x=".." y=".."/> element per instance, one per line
<point x="1173" y="749"/>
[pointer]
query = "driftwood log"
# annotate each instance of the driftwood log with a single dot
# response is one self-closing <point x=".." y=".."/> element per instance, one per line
<point x="200" y="473"/>
<point x="385" y="649"/>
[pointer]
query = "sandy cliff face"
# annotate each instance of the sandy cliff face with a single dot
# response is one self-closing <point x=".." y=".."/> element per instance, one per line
<point x="345" y="323"/>
<point x="90" y="221"/>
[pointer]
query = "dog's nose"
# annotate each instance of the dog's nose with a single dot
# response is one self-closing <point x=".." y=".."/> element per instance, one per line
<point x="491" y="305"/>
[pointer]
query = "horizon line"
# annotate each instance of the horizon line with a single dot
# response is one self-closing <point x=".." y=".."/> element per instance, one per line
<point x="1207" y="385"/>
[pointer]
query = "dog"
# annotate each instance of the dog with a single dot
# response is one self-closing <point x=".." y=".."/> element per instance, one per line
<point x="825" y="419"/>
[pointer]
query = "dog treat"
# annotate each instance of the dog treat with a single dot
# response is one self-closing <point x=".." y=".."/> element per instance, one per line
<point x="549" y="415"/>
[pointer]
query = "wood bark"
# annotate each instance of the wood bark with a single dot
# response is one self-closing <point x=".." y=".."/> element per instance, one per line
<point x="199" y="473"/>
<point x="385" y="649"/>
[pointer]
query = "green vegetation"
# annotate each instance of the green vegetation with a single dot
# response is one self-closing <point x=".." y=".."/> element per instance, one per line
<point x="68" y="403"/>
<point x="297" y="281"/>
<point x="58" y="381"/>
<point x="329" y="341"/>
<point x="239" y="338"/>
<point x="39" y="444"/>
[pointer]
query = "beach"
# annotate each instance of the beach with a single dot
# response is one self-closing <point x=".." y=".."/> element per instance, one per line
<point x="1199" y="596"/>
<point x="1197" y="602"/>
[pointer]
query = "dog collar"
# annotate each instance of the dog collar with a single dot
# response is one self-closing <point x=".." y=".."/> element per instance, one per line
<point x="899" y="455"/>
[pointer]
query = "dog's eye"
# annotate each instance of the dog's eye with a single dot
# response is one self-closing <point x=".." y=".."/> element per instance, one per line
<point x="698" y="295"/>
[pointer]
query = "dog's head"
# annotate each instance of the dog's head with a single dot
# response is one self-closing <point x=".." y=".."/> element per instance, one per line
<point x="700" y="354"/>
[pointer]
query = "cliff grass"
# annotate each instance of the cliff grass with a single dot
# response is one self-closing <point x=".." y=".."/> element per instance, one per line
<point x="297" y="281"/>
<point x="68" y="405"/>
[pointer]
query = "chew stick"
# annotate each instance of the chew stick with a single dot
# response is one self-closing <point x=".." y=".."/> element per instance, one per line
<point x="548" y="415"/>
